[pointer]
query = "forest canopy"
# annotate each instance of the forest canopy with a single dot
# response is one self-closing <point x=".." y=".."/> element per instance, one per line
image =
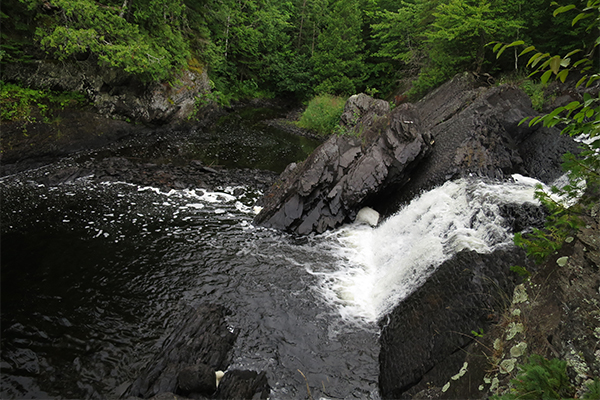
<point x="289" y="47"/>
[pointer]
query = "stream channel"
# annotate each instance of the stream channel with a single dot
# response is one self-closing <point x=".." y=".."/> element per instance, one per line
<point x="95" y="275"/>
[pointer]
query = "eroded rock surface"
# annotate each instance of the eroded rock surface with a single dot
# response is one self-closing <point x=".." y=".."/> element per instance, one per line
<point x="386" y="158"/>
<point x="203" y="339"/>
<point x="477" y="133"/>
<point x="348" y="171"/>
<point x="113" y="92"/>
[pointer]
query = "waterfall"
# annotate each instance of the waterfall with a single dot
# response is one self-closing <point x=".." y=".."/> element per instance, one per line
<point x="378" y="267"/>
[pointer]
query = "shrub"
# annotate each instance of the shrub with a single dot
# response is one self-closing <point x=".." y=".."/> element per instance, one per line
<point x="535" y="91"/>
<point x="322" y="114"/>
<point x="541" y="379"/>
<point x="19" y="103"/>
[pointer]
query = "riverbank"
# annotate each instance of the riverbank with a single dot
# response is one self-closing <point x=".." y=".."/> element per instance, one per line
<point x="555" y="313"/>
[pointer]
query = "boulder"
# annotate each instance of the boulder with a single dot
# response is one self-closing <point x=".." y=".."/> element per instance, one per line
<point x="425" y="333"/>
<point x="476" y="132"/>
<point x="378" y="151"/>
<point x="461" y="129"/>
<point x="239" y="384"/>
<point x="197" y="379"/>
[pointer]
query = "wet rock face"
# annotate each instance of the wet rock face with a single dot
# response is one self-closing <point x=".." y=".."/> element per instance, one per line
<point x="459" y="130"/>
<point x="433" y="324"/>
<point x="477" y="133"/>
<point x="347" y="171"/>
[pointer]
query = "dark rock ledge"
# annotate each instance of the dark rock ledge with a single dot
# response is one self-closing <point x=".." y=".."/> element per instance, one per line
<point x="347" y="171"/>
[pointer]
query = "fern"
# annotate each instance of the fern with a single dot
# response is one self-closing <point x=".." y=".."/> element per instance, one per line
<point x="540" y="379"/>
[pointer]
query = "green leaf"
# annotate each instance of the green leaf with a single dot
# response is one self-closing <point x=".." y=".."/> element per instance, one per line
<point x="501" y="51"/>
<point x="573" y="52"/>
<point x="538" y="59"/>
<point x="563" y="9"/>
<point x="579" y="17"/>
<point x="496" y="47"/>
<point x="555" y="64"/>
<point x="523" y="121"/>
<point x="516" y="43"/>
<point x="572" y="105"/>
<point x="527" y="50"/>
<point x="535" y="120"/>
<point x="582" y="61"/>
<point x="592" y="80"/>
<point x="534" y="57"/>
<point x="546" y="76"/>
<point x="562" y="75"/>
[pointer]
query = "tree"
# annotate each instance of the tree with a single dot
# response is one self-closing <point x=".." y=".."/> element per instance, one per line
<point x="462" y="28"/>
<point x="339" y="58"/>
<point x="398" y="36"/>
<point x="143" y="37"/>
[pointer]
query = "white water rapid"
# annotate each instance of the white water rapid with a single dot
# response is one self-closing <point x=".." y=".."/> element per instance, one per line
<point x="378" y="267"/>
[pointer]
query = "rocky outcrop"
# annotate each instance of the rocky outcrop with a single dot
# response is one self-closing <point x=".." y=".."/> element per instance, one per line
<point x="113" y="92"/>
<point x="461" y="129"/>
<point x="477" y="133"/>
<point x="553" y="314"/>
<point x="378" y="150"/>
<point x="203" y="339"/>
<point x="433" y="326"/>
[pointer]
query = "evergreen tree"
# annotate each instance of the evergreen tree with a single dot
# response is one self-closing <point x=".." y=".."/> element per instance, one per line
<point x="339" y="59"/>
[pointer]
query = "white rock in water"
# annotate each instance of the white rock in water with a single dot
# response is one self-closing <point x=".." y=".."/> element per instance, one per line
<point x="219" y="375"/>
<point x="367" y="216"/>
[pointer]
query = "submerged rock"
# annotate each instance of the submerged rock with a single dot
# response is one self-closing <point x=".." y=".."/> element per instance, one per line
<point x="203" y="340"/>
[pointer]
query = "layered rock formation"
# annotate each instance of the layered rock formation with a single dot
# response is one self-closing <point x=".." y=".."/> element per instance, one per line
<point x="377" y="151"/>
<point x="477" y="133"/>
<point x="386" y="158"/>
<point x="433" y="326"/>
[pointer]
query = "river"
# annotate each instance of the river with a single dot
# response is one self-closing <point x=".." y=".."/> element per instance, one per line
<point x="95" y="275"/>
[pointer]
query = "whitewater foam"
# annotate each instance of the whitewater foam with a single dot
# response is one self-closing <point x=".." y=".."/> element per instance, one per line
<point x="379" y="267"/>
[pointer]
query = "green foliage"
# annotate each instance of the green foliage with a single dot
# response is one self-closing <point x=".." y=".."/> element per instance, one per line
<point x="576" y="118"/>
<point x="535" y="91"/>
<point x="291" y="47"/>
<point x="540" y="379"/>
<point x="562" y="220"/>
<point x="521" y="271"/>
<point x="338" y="60"/>
<point x="23" y="104"/>
<point x="456" y="38"/>
<point x="593" y="392"/>
<point x="322" y="114"/>
<point x="478" y="334"/>
<point x="145" y="38"/>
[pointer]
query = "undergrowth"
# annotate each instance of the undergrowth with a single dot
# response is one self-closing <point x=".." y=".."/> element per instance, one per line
<point x="545" y="379"/>
<point x="322" y="114"/>
<point x="23" y="104"/>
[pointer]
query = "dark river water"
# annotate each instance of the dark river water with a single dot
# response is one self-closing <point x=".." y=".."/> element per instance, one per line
<point x="96" y="275"/>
